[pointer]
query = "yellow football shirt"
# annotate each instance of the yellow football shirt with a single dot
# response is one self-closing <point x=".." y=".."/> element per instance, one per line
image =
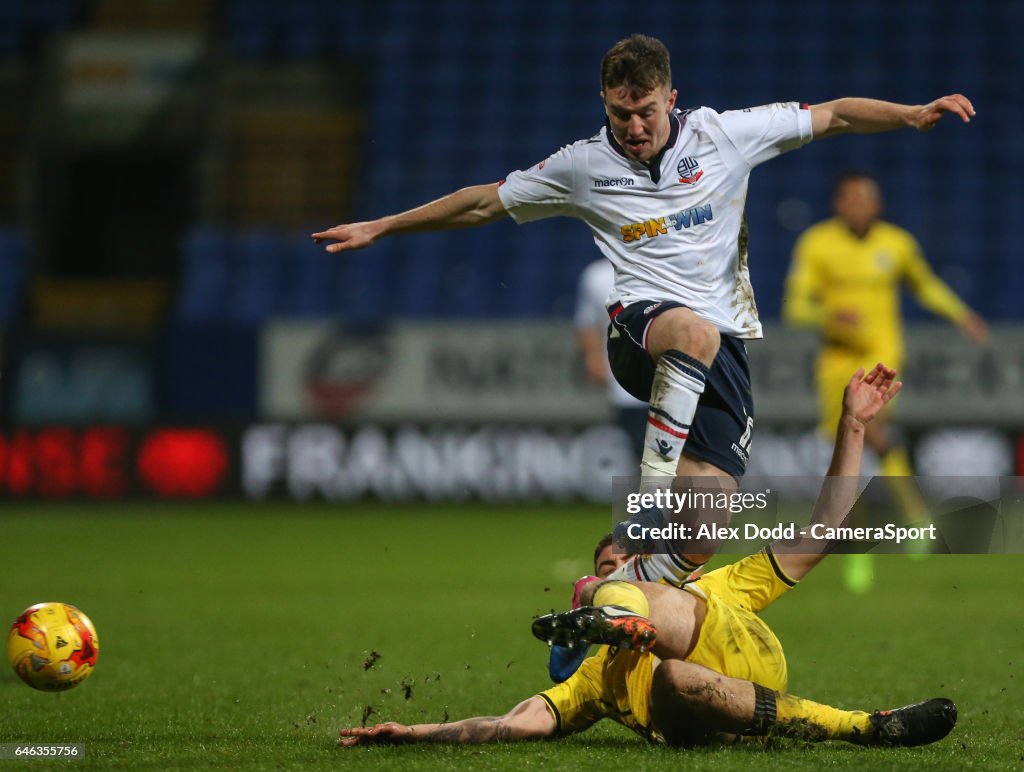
<point x="616" y="683"/>
<point x="835" y="273"/>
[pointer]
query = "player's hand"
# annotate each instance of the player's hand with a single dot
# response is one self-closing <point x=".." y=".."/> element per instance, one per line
<point x="388" y="733"/>
<point x="577" y="591"/>
<point x="847" y="318"/>
<point x="349" y="236"/>
<point x="975" y="328"/>
<point x="924" y="117"/>
<point x="866" y="395"/>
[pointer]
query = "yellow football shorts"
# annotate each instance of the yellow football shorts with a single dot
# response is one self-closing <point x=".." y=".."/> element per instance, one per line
<point x="733" y="640"/>
<point x="833" y="371"/>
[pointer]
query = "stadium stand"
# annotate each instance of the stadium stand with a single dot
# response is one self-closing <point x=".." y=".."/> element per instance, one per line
<point x="13" y="271"/>
<point x="496" y="86"/>
<point x="460" y="93"/>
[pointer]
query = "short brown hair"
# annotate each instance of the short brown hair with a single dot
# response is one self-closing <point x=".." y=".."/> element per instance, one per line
<point x="853" y="175"/>
<point x="605" y="541"/>
<point x="640" y="63"/>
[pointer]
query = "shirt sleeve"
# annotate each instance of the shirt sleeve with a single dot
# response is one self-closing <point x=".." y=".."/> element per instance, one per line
<point x="543" y="190"/>
<point x="801" y="304"/>
<point x="930" y="291"/>
<point x="576" y="703"/>
<point x="762" y="133"/>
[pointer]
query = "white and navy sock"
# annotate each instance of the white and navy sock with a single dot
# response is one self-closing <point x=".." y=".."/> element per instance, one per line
<point x="678" y="383"/>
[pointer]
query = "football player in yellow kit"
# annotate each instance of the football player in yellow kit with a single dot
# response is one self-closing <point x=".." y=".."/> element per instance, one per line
<point x="845" y="280"/>
<point x="697" y="665"/>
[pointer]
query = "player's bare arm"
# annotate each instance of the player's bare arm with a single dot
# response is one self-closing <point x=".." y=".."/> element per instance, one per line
<point x="863" y="400"/>
<point x="529" y="720"/>
<point x="591" y="342"/>
<point x="867" y="116"/>
<point x="975" y="328"/>
<point x="465" y="208"/>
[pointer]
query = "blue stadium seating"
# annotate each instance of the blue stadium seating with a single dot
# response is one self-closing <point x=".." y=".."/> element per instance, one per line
<point x="23" y="24"/>
<point x="11" y="31"/>
<point x="309" y="285"/>
<point x="542" y="85"/>
<point x="249" y="32"/>
<point x="472" y="280"/>
<point x="298" y="29"/>
<point x="465" y="92"/>
<point x="257" y="275"/>
<point x="418" y="275"/>
<point x="365" y="285"/>
<point x="204" y="275"/>
<point x="13" y="268"/>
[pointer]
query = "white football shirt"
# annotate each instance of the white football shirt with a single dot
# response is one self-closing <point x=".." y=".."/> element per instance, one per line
<point x="673" y="230"/>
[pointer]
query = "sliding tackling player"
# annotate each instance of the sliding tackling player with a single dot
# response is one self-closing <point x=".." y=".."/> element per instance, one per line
<point x="697" y="665"/>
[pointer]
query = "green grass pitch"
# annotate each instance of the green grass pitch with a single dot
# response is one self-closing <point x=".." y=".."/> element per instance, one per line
<point x="241" y="637"/>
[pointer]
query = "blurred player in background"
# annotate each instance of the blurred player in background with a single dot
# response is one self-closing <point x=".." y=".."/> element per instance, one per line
<point x="845" y="280"/>
<point x="597" y="283"/>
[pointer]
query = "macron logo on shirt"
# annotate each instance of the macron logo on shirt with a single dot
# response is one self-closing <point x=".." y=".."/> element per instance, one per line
<point x="618" y="182"/>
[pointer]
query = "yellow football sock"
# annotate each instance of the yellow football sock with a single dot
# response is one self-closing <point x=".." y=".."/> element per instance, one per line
<point x="797" y="717"/>
<point x="896" y="463"/>
<point x="624" y="594"/>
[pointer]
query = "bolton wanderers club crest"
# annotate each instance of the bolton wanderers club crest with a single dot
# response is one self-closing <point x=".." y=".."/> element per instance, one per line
<point x="689" y="170"/>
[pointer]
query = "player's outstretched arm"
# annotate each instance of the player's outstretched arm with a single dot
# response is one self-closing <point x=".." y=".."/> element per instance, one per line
<point x="864" y="398"/>
<point x="529" y="720"/>
<point x="867" y="116"/>
<point x="464" y="208"/>
<point x="975" y="328"/>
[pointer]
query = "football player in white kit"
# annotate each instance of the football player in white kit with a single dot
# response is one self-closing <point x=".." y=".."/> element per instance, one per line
<point x="663" y="192"/>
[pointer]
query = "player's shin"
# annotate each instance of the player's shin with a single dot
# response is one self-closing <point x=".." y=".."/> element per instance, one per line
<point x="678" y="383"/>
<point x="790" y="716"/>
<point x="661" y="564"/>
<point x="694" y="705"/>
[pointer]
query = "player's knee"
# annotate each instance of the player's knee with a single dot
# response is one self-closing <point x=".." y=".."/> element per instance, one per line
<point x="678" y="684"/>
<point x="678" y="702"/>
<point x="687" y="332"/>
<point x="701" y="340"/>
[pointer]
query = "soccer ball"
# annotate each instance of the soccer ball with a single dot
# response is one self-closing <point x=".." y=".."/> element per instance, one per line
<point x="53" y="646"/>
